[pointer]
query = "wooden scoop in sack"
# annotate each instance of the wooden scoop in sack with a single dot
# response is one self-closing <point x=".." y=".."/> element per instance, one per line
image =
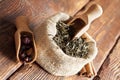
<point x="51" y="57"/>
<point x="81" y="22"/>
<point x="24" y="41"/>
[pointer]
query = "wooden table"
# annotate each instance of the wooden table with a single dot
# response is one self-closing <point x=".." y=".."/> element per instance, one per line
<point x="105" y="30"/>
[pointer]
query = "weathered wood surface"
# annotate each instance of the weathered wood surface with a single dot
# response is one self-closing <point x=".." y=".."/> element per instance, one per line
<point x="8" y="64"/>
<point x="104" y="30"/>
<point x="111" y="68"/>
<point x="35" y="73"/>
<point x="37" y="11"/>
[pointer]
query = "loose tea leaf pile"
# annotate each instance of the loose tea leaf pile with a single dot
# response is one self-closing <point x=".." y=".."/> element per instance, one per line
<point x="76" y="48"/>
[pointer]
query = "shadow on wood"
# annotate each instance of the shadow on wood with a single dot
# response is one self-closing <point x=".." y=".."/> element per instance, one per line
<point x="7" y="46"/>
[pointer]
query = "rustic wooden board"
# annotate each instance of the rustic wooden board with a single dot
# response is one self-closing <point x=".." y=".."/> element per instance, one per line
<point x="8" y="64"/>
<point x="111" y="68"/>
<point x="105" y="31"/>
<point x="35" y="73"/>
<point x="9" y="10"/>
<point x="38" y="10"/>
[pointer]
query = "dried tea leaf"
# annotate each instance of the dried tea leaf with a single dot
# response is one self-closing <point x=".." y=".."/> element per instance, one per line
<point x="76" y="48"/>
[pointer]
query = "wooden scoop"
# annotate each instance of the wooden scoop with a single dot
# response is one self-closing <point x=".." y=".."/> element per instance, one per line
<point x="81" y="23"/>
<point x="24" y="41"/>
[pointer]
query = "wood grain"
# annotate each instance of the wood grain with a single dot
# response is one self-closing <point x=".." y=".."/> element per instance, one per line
<point x="104" y="30"/>
<point x="8" y="64"/>
<point x="38" y="10"/>
<point x="111" y="67"/>
<point x="33" y="73"/>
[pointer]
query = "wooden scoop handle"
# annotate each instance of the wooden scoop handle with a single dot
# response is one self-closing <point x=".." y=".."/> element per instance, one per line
<point x="22" y="23"/>
<point x="93" y="12"/>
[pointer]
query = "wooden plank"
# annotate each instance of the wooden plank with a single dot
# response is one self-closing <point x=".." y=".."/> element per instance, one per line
<point x="8" y="61"/>
<point x="10" y="9"/>
<point x="8" y="64"/>
<point x="33" y="73"/>
<point x="38" y="10"/>
<point x="104" y="30"/>
<point x="111" y="68"/>
<point x="107" y="32"/>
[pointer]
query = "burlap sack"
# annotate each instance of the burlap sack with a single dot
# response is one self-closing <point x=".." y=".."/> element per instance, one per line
<point x="51" y="57"/>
